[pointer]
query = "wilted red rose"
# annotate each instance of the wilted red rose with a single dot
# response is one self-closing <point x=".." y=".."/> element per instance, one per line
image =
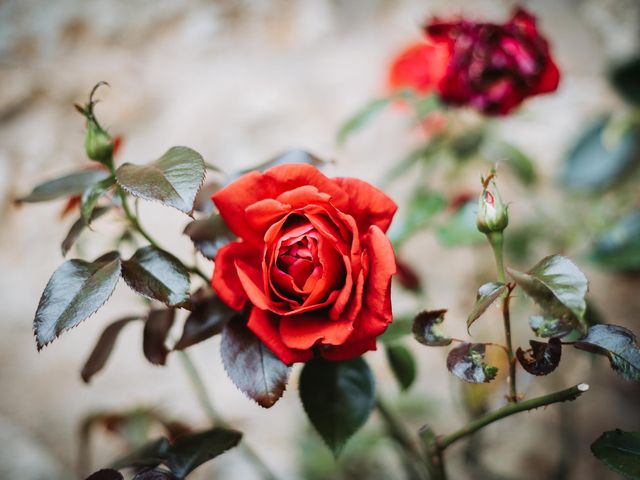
<point x="312" y="262"/>
<point x="419" y="66"/>
<point x="493" y="68"/>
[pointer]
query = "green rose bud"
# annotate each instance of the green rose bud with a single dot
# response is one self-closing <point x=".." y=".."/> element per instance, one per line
<point x="492" y="212"/>
<point x="98" y="143"/>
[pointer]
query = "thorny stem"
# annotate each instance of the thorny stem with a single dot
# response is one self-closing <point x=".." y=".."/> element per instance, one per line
<point x="496" y="239"/>
<point x="215" y="418"/>
<point x="435" y="446"/>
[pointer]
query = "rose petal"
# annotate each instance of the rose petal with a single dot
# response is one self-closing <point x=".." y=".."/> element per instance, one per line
<point x="303" y="331"/>
<point x="225" y="279"/>
<point x="349" y="350"/>
<point x="367" y="204"/>
<point x="261" y="215"/>
<point x="265" y="326"/>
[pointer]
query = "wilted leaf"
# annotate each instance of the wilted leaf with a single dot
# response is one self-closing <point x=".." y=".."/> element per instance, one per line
<point x="191" y="451"/>
<point x="254" y="369"/>
<point x="618" y="344"/>
<point x="593" y="164"/>
<point x="158" y="275"/>
<point x="460" y="228"/>
<point x="487" y="294"/>
<point x="558" y="287"/>
<point x="174" y="179"/>
<point x="72" y="184"/>
<point x="154" y="337"/>
<point x="546" y="327"/>
<point x="467" y="363"/>
<point x="208" y="317"/>
<point x="542" y="358"/>
<point x="74" y="292"/>
<point x="338" y="398"/>
<point x="426" y="328"/>
<point x="402" y="363"/>
<point x="618" y="248"/>
<point x="78" y="227"/>
<point x="104" y="347"/>
<point x="209" y="234"/>
<point x="106" y="474"/>
<point x="90" y="198"/>
<point x="148" y="456"/>
<point x="290" y="156"/>
<point x="422" y="207"/>
<point x="620" y="451"/>
<point x="626" y="79"/>
<point x="361" y="118"/>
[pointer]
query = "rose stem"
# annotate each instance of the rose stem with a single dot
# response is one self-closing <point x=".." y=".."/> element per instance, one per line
<point x="215" y="418"/>
<point x="435" y="446"/>
<point x="496" y="239"/>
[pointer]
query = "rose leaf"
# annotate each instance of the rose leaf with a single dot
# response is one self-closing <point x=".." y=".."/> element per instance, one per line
<point x="90" y="197"/>
<point x="618" y="344"/>
<point x="487" y="294"/>
<point x="542" y="358"/>
<point x="158" y="275"/>
<point x="251" y="366"/>
<point x="338" y="398"/>
<point x="174" y="179"/>
<point x="105" y="474"/>
<point x="426" y="328"/>
<point x="620" y="451"/>
<point x="149" y="455"/>
<point x="78" y="227"/>
<point x="467" y="363"/>
<point x="74" y="292"/>
<point x="72" y="184"/>
<point x="208" y="317"/>
<point x="402" y="363"/>
<point x="154" y="335"/>
<point x="209" y="235"/>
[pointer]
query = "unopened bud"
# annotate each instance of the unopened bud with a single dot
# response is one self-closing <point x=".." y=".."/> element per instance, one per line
<point x="492" y="212"/>
<point x="98" y="143"/>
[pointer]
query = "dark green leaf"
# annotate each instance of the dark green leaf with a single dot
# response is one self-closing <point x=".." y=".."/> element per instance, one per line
<point x="467" y="363"/>
<point x="158" y="275"/>
<point x="422" y="207"/>
<point x="626" y="79"/>
<point x="558" y="287"/>
<point x="106" y="474"/>
<point x="104" y="347"/>
<point x="361" y="118"/>
<point x="72" y="184"/>
<point x="74" y="292"/>
<point x="400" y="327"/>
<point x="254" y="369"/>
<point x="593" y="164"/>
<point x="208" y="317"/>
<point x="338" y="398"/>
<point x="155" y="474"/>
<point x="148" y="456"/>
<point x="290" y="156"/>
<point x="78" y="227"/>
<point x="460" y="228"/>
<point x="174" y="179"/>
<point x="90" y="198"/>
<point x="542" y="358"/>
<point x="620" y="451"/>
<point x="426" y="328"/>
<point x="203" y="202"/>
<point x="546" y="327"/>
<point x="154" y="337"/>
<point x="209" y="235"/>
<point x="402" y="363"/>
<point x="618" y="344"/>
<point x="191" y="451"/>
<point x="467" y="145"/>
<point x="487" y="294"/>
<point x="618" y="248"/>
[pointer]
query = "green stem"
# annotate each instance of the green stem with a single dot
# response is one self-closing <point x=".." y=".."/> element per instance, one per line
<point x="496" y="240"/>
<point x="215" y="418"/>
<point x="511" y="409"/>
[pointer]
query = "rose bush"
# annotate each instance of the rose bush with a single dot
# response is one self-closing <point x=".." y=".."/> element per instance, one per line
<point x="312" y="262"/>
<point x="492" y="67"/>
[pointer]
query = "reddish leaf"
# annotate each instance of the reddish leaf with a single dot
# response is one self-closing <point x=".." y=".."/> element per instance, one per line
<point x="104" y="347"/>
<point x="209" y="234"/>
<point x="106" y="474"/>
<point x="255" y="370"/>
<point x="425" y="328"/>
<point x="208" y="317"/>
<point x="467" y="363"/>
<point x="156" y="328"/>
<point x="542" y="358"/>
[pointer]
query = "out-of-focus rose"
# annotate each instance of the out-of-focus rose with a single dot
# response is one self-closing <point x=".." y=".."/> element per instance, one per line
<point x="420" y="66"/>
<point x="313" y="263"/>
<point x="492" y="67"/>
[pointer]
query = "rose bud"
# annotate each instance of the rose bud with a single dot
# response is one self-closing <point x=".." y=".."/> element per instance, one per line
<point x="492" y="212"/>
<point x="494" y="67"/>
<point x="98" y="143"/>
<point x="312" y="264"/>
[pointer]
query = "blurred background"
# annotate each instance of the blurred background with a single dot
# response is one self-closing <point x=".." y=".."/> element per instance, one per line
<point x="240" y="82"/>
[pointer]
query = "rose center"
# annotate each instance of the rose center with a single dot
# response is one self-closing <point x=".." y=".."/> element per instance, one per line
<point x="298" y="259"/>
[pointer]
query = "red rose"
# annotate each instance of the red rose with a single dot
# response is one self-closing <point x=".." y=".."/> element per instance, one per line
<point x="493" y="68"/>
<point x="420" y="66"/>
<point x="312" y="262"/>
